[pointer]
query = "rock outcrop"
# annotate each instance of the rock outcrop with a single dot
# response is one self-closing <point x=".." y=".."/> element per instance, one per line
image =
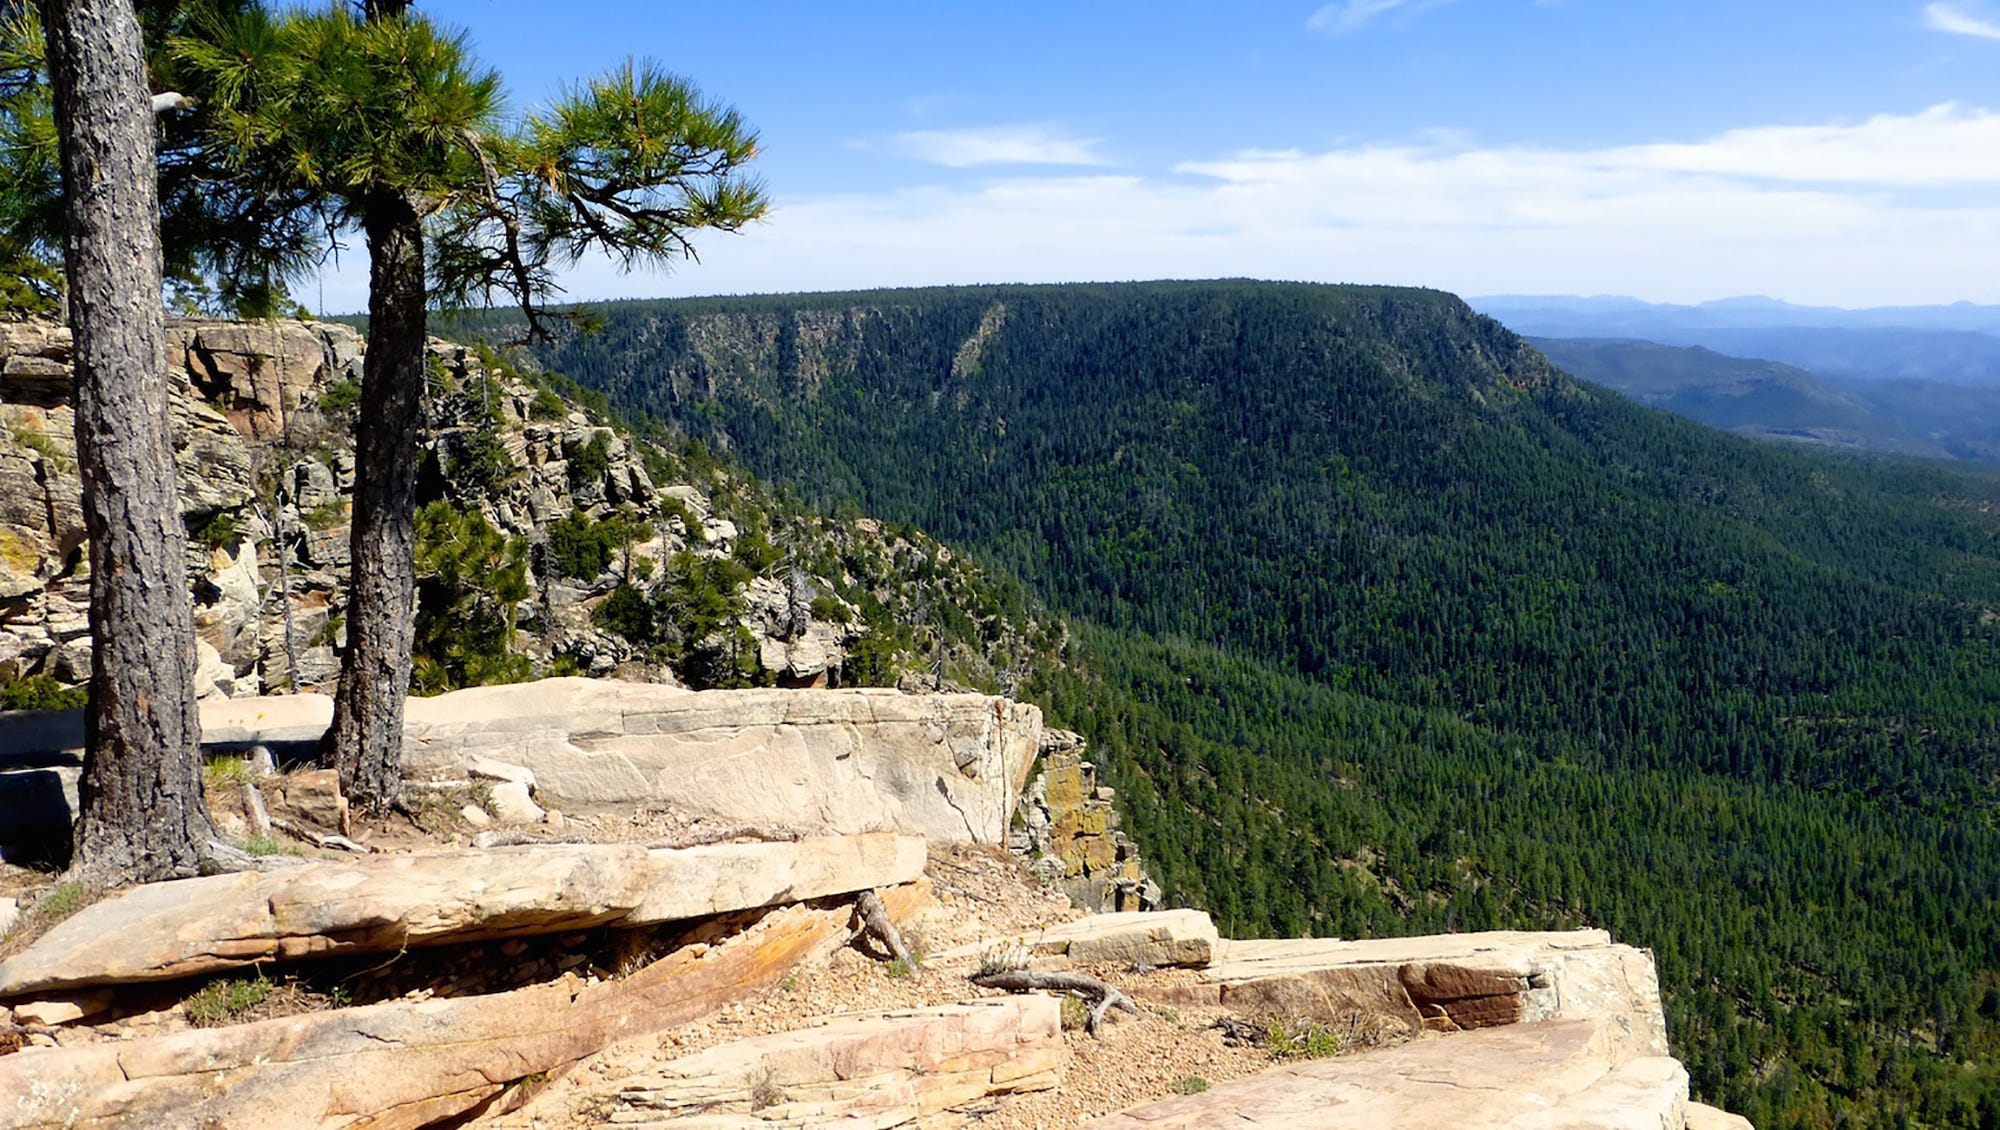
<point x="1556" y="1076"/>
<point x="947" y="767"/>
<point x="388" y="902"/>
<point x="1449" y="982"/>
<point x="401" y="1064"/>
<point x="876" y="1070"/>
<point x="1069" y="832"/>
<point x="263" y="413"/>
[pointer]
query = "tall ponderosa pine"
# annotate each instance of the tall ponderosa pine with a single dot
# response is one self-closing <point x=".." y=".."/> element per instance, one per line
<point x="228" y="247"/>
<point x="394" y="128"/>
<point x="143" y="817"/>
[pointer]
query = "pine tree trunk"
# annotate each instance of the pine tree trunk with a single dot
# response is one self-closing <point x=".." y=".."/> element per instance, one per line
<point x="143" y="818"/>
<point x="366" y="740"/>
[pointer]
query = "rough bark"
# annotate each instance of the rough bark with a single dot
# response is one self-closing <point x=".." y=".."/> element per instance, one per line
<point x="365" y="742"/>
<point x="1103" y="996"/>
<point x="875" y="921"/>
<point x="142" y="812"/>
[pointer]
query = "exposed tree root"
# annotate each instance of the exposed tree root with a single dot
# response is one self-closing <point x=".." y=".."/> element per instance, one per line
<point x="1104" y="997"/>
<point x="875" y="923"/>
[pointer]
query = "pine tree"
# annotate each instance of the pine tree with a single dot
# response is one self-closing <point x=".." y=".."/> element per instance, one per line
<point x="394" y="127"/>
<point x="142" y="812"/>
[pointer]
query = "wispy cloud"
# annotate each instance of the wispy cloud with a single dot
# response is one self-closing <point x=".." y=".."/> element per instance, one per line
<point x="1027" y="144"/>
<point x="1897" y="208"/>
<point x="1959" y="18"/>
<point x="1353" y="15"/>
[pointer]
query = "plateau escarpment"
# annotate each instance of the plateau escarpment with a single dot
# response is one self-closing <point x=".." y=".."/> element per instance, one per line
<point x="1384" y="625"/>
<point x="583" y="969"/>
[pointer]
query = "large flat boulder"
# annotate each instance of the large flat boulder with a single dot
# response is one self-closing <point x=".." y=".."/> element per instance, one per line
<point x="948" y="767"/>
<point x="1154" y="938"/>
<point x="384" y="903"/>
<point x="1449" y="982"/>
<point x="1570" y="1075"/>
<point x="401" y="1064"/>
<point x="877" y="1070"/>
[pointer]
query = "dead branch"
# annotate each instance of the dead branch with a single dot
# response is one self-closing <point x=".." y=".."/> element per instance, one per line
<point x="253" y="807"/>
<point x="875" y="921"/>
<point x="1106" y="997"/>
<point x="318" y="840"/>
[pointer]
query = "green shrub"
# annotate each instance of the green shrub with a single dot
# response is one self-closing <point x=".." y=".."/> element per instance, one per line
<point x="547" y="406"/>
<point x="340" y="397"/>
<point x="326" y="517"/>
<point x="1075" y="1014"/>
<point x="265" y="845"/>
<point x="1192" y="1085"/>
<point x="590" y="461"/>
<point x="220" y="1002"/>
<point x="1300" y="1039"/>
<point x="627" y="613"/>
<point x="481" y="461"/>
<point x="579" y="547"/>
<point x="41" y="692"/>
<point x="220" y="530"/>
<point x="470" y="577"/>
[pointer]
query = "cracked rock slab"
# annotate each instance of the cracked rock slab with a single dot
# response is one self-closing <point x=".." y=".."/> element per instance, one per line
<point x="401" y="1064"/>
<point x="1567" y="1075"/>
<point x="1448" y="982"/>
<point x="877" y="1070"/>
<point x="383" y="903"/>
<point x="1153" y="938"/>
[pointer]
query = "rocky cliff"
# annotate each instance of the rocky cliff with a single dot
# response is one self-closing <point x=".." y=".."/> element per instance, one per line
<point x="733" y="585"/>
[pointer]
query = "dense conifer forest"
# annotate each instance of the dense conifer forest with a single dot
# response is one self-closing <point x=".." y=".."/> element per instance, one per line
<point x="1383" y="625"/>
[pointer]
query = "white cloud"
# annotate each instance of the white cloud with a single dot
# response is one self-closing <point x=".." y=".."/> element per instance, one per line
<point x="1945" y="145"/>
<point x="1893" y="209"/>
<point x="1353" y="15"/>
<point x="1339" y="19"/>
<point x="1959" y="18"/>
<point x="1027" y="144"/>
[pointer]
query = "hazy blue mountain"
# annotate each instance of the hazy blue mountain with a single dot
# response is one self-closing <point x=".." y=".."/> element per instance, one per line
<point x="1746" y="312"/>
<point x="1928" y="419"/>
<point x="1957" y="344"/>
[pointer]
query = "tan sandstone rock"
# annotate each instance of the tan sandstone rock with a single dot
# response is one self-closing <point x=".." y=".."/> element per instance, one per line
<point x="384" y="903"/>
<point x="948" y="767"/>
<point x="1569" y="1075"/>
<point x="398" y="1065"/>
<point x="878" y="1070"/>
<point x="1701" y="1116"/>
<point x="1449" y="982"/>
<point x="1154" y="938"/>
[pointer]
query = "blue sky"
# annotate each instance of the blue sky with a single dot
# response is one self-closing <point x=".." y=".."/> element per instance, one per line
<point x="1831" y="152"/>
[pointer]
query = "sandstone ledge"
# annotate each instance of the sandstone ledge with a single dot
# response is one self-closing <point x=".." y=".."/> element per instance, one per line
<point x="948" y="767"/>
<point x="403" y="1064"/>
<point x="880" y="1070"/>
<point x="1569" y="1075"/>
<point x="1449" y="982"/>
<point x="383" y="903"/>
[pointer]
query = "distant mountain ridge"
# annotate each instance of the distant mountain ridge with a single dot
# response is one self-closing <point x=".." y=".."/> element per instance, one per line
<point x="1772" y="400"/>
<point x="1743" y="312"/>
<point x="1956" y="345"/>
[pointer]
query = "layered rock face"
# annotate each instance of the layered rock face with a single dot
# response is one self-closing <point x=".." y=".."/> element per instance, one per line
<point x="263" y="416"/>
<point x="1069" y="832"/>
